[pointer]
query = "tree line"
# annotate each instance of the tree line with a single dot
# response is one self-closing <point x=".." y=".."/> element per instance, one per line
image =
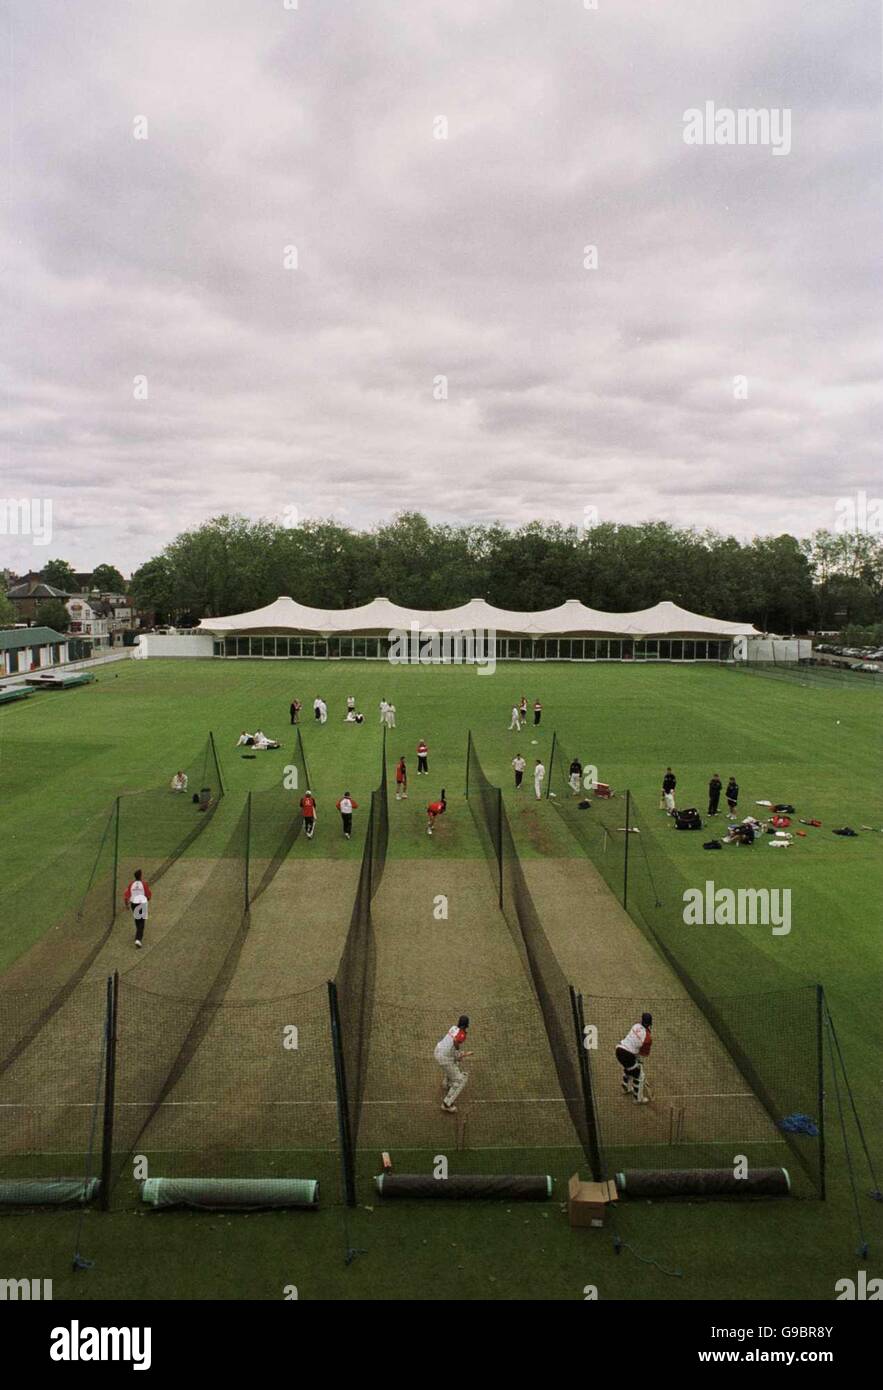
<point x="780" y="583"/>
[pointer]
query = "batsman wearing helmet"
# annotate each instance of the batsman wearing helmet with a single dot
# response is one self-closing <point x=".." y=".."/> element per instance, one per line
<point x="629" y="1054"/>
<point x="449" y="1052"/>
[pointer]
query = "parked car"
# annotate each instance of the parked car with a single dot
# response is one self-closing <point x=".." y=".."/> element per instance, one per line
<point x="867" y="666"/>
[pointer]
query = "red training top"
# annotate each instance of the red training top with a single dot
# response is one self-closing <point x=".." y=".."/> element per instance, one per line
<point x="144" y="884"/>
<point x="436" y="808"/>
<point x="308" y="806"/>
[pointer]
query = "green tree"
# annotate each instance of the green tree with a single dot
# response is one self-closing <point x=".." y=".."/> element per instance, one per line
<point x="153" y="586"/>
<point x="782" y="591"/>
<point x="60" y="575"/>
<point x="7" y="611"/>
<point x="108" y="580"/>
<point x="52" y="613"/>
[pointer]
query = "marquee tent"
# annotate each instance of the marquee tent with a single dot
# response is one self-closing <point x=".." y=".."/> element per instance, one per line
<point x="380" y="617"/>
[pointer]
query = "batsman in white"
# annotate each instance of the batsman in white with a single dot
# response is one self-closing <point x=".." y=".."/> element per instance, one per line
<point x="629" y="1054"/>
<point x="449" y="1053"/>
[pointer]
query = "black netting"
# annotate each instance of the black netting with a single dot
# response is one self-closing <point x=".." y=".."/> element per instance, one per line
<point x="248" y="1090"/>
<point x="182" y="984"/>
<point x="552" y="990"/>
<point x="354" y="981"/>
<point x="275" y="821"/>
<point x="744" y="1055"/>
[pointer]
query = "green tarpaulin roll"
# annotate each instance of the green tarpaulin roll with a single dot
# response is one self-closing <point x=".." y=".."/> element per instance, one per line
<point x="225" y="1193"/>
<point x="47" y="1192"/>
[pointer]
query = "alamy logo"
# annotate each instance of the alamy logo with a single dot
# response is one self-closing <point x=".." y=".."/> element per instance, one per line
<point x="738" y="907"/>
<point x="429" y="647"/>
<point x="711" y="125"/>
<point x="25" y="1290"/>
<point x="27" y="516"/>
<point x="858" y="513"/>
<point x="861" y="1288"/>
<point x="76" y="1343"/>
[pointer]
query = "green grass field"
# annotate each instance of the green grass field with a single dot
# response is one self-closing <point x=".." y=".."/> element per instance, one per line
<point x="65" y="756"/>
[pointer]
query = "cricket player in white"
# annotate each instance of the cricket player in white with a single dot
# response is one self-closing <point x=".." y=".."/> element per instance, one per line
<point x="539" y="773"/>
<point x="390" y="716"/>
<point x="515" y="721"/>
<point x="634" y="1046"/>
<point x="136" y="898"/>
<point x="449" y="1053"/>
<point x="383" y="708"/>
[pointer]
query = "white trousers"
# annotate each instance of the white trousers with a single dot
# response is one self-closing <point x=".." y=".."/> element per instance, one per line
<point x="538" y="787"/>
<point x="456" y="1078"/>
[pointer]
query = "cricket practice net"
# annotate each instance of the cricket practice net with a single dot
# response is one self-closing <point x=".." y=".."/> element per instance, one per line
<point x="53" y="999"/>
<point x="750" y="1064"/>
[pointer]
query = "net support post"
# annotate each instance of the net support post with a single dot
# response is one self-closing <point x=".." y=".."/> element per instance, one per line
<point x="247" y="850"/>
<point x="211" y="738"/>
<point x="499" y="844"/>
<point x="111" y="1019"/>
<point x="820" y="1065"/>
<point x="116" y="859"/>
<point x="551" y="765"/>
<point x="579" y="1026"/>
<point x="347" y="1157"/>
<point x="625" y="859"/>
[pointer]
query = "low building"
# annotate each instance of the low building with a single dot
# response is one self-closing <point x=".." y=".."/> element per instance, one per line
<point x="89" y="620"/>
<point x="27" y="649"/>
<point x="27" y="596"/>
<point x="188" y="644"/>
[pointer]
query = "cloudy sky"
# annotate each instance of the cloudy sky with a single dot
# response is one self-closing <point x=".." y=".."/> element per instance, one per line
<point x="428" y="265"/>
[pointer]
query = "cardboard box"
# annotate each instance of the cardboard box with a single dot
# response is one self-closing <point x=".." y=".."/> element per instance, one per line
<point x="587" y="1201"/>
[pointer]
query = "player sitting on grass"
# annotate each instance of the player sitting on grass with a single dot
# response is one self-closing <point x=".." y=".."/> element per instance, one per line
<point x="435" y="809"/>
<point x="179" y="782"/>
<point x="635" y="1045"/>
<point x="449" y="1053"/>
<point x="261" y="741"/>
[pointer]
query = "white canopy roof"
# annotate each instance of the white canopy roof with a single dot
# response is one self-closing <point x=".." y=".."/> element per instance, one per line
<point x="572" y="617"/>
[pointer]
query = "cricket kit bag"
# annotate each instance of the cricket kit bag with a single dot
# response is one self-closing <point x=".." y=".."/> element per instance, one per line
<point x="688" y="819"/>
